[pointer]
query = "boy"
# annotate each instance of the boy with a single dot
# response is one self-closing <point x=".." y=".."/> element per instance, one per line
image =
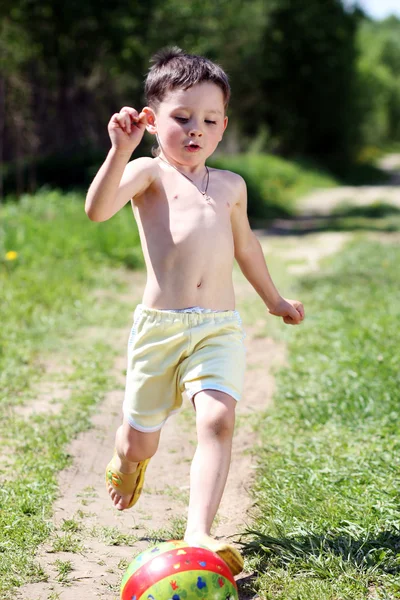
<point x="186" y="334"/>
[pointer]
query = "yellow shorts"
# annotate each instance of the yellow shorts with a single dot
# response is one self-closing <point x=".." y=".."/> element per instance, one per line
<point x="174" y="352"/>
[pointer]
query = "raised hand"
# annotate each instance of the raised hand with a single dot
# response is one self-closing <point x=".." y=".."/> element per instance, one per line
<point x="126" y="129"/>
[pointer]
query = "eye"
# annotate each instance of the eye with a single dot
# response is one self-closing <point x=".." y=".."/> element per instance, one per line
<point x="182" y="119"/>
<point x="211" y="122"/>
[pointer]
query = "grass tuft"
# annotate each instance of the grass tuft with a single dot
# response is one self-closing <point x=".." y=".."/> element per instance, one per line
<point x="67" y="543"/>
<point x="64" y="568"/>
<point x="112" y="536"/>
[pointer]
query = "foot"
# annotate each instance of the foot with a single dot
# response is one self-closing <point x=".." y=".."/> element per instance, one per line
<point x="124" y="481"/>
<point x="228" y="553"/>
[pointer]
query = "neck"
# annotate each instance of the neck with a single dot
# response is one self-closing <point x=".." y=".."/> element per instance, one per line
<point x="197" y="184"/>
<point x="192" y="169"/>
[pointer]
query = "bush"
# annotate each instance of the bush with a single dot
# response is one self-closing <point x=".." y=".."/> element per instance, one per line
<point x="273" y="183"/>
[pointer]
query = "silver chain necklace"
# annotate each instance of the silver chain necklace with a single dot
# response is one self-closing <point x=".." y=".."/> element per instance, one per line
<point x="203" y="193"/>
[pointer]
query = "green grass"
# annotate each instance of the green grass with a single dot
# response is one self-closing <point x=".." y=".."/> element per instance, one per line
<point x="328" y="524"/>
<point x="112" y="536"/>
<point x="67" y="542"/>
<point x="64" y="568"/>
<point x="173" y="530"/>
<point x="51" y="286"/>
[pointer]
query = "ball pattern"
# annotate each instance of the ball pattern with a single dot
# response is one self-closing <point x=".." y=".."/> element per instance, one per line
<point x="175" y="571"/>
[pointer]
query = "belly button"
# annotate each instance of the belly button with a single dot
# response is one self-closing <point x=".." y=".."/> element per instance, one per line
<point x="199" y="284"/>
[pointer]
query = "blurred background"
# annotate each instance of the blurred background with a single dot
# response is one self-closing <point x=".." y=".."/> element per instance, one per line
<point x="317" y="83"/>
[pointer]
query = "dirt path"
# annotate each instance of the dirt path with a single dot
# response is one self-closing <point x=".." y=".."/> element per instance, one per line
<point x="102" y="537"/>
<point x="323" y="202"/>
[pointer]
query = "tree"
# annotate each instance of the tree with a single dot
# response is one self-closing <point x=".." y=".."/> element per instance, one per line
<point x="308" y="82"/>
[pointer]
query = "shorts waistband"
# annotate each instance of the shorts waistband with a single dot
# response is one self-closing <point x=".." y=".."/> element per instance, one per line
<point x="185" y="315"/>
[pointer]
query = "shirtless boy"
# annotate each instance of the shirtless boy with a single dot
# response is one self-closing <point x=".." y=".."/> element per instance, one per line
<point x="186" y="334"/>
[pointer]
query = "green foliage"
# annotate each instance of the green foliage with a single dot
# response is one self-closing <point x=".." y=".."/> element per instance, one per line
<point x="307" y="80"/>
<point x="378" y="94"/>
<point x="328" y="524"/>
<point x="273" y="183"/>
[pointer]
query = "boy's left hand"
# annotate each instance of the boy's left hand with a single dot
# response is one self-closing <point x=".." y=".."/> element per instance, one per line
<point x="291" y="311"/>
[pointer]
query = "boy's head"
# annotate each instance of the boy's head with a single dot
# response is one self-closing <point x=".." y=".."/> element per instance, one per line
<point x="174" y="69"/>
<point x="187" y="96"/>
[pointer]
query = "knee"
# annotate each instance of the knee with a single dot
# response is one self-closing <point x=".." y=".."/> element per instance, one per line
<point x="219" y="423"/>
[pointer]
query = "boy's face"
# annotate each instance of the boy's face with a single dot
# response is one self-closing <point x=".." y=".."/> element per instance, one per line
<point x="190" y="123"/>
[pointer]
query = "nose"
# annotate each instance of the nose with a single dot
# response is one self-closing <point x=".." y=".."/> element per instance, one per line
<point x="195" y="130"/>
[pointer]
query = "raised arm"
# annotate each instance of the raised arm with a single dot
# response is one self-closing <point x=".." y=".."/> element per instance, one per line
<point x="250" y="257"/>
<point x="117" y="181"/>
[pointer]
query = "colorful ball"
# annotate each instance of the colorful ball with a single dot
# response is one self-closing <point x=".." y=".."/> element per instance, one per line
<point x="175" y="571"/>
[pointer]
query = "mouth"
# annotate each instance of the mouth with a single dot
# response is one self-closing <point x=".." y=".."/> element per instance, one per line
<point x="193" y="147"/>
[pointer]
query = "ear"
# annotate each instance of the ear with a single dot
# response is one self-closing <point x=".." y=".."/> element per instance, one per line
<point x="225" y="125"/>
<point x="151" y="120"/>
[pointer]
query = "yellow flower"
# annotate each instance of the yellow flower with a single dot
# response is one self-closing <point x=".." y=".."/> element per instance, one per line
<point x="11" y="255"/>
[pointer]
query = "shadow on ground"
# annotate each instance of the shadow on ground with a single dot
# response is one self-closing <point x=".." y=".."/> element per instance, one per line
<point x="246" y="587"/>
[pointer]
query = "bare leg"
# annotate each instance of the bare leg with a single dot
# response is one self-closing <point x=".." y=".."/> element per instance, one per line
<point x="215" y="421"/>
<point x="131" y="447"/>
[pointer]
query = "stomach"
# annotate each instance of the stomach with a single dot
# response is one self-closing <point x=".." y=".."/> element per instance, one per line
<point x="189" y="259"/>
<point x="190" y="280"/>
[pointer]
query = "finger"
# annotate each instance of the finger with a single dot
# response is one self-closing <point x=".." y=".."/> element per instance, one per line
<point x="288" y="321"/>
<point x="143" y="118"/>
<point x="129" y="115"/>
<point x="134" y="118"/>
<point x="115" y="119"/>
<point x="141" y="123"/>
<point x="300" y="310"/>
<point x="127" y="123"/>
<point x="294" y="315"/>
<point x="131" y="111"/>
<point x="121" y="120"/>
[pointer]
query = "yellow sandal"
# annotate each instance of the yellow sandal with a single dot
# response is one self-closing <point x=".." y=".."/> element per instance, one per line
<point x="231" y="556"/>
<point x="125" y="483"/>
<point x="228" y="553"/>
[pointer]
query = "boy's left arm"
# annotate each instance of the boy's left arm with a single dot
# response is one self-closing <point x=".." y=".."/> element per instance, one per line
<point x="250" y="257"/>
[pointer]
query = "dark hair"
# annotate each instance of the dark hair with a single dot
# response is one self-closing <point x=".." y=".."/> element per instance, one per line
<point x="173" y="68"/>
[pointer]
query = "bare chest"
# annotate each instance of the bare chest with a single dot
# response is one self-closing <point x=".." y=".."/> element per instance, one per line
<point x="179" y="212"/>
